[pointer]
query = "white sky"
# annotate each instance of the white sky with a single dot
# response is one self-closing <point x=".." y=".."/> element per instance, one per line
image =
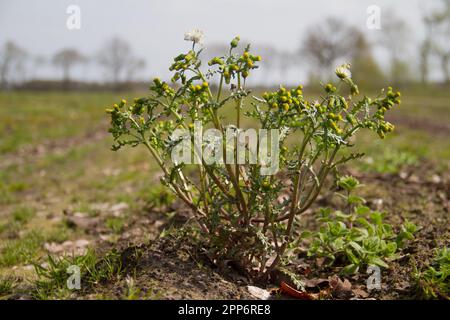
<point x="155" y="28"/>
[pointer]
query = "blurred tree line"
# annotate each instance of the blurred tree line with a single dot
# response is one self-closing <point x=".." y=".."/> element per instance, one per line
<point x="323" y="47"/>
<point x="116" y="59"/>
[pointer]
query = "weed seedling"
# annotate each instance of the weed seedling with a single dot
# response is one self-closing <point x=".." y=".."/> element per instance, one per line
<point x="357" y="237"/>
<point x="434" y="282"/>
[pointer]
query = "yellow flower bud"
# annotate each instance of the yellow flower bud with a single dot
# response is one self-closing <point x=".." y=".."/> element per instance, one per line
<point x="344" y="103"/>
<point x="234" y="43"/>
<point x="157" y="81"/>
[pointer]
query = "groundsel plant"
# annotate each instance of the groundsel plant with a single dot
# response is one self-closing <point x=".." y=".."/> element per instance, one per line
<point x="243" y="213"/>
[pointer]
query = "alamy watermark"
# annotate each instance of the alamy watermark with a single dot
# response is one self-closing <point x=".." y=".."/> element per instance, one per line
<point x="238" y="146"/>
<point x="373" y="21"/>
<point x="374" y="280"/>
<point x="74" y="280"/>
<point x="73" y="21"/>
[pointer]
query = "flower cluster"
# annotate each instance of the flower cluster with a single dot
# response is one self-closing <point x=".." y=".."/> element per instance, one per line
<point x="183" y="63"/>
<point x="199" y="93"/>
<point x="235" y="66"/>
<point x="284" y="100"/>
<point x="162" y="88"/>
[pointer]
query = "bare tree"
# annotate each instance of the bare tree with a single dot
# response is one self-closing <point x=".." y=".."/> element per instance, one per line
<point x="285" y="60"/>
<point x="441" y="38"/>
<point x="425" y="48"/>
<point x="326" y="43"/>
<point x="134" y="66"/>
<point x="269" y="63"/>
<point x="365" y="69"/>
<point x="395" y="39"/>
<point x="66" y="59"/>
<point x="12" y="59"/>
<point x="119" y="62"/>
<point x="37" y="62"/>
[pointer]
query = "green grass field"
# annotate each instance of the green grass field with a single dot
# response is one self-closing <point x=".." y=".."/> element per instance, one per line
<point x="55" y="156"/>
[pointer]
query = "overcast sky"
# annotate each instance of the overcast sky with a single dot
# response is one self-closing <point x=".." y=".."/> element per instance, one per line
<point x="155" y="28"/>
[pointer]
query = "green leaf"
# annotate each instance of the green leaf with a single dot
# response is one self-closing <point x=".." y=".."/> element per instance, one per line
<point x="410" y="227"/>
<point x="325" y="212"/>
<point x="408" y="235"/>
<point x="357" y="247"/>
<point x="377" y="217"/>
<point x="378" y="262"/>
<point x="353" y="259"/>
<point x="348" y="183"/>
<point x="362" y="210"/>
<point x="355" y="200"/>
<point x="360" y="233"/>
<point x="338" y="244"/>
<point x="350" y="269"/>
<point x="306" y="234"/>
<point x="341" y="215"/>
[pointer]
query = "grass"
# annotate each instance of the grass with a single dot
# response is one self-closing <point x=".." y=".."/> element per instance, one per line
<point x="41" y="116"/>
<point x="6" y="285"/>
<point x="52" y="278"/>
<point x="389" y="161"/>
<point x="23" y="215"/>
<point x="115" y="224"/>
<point x="22" y="250"/>
<point x="56" y="156"/>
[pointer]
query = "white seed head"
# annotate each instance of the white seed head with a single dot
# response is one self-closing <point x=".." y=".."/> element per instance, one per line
<point x="194" y="35"/>
<point x="343" y="71"/>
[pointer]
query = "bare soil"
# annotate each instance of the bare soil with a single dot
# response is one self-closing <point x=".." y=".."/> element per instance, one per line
<point x="170" y="268"/>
